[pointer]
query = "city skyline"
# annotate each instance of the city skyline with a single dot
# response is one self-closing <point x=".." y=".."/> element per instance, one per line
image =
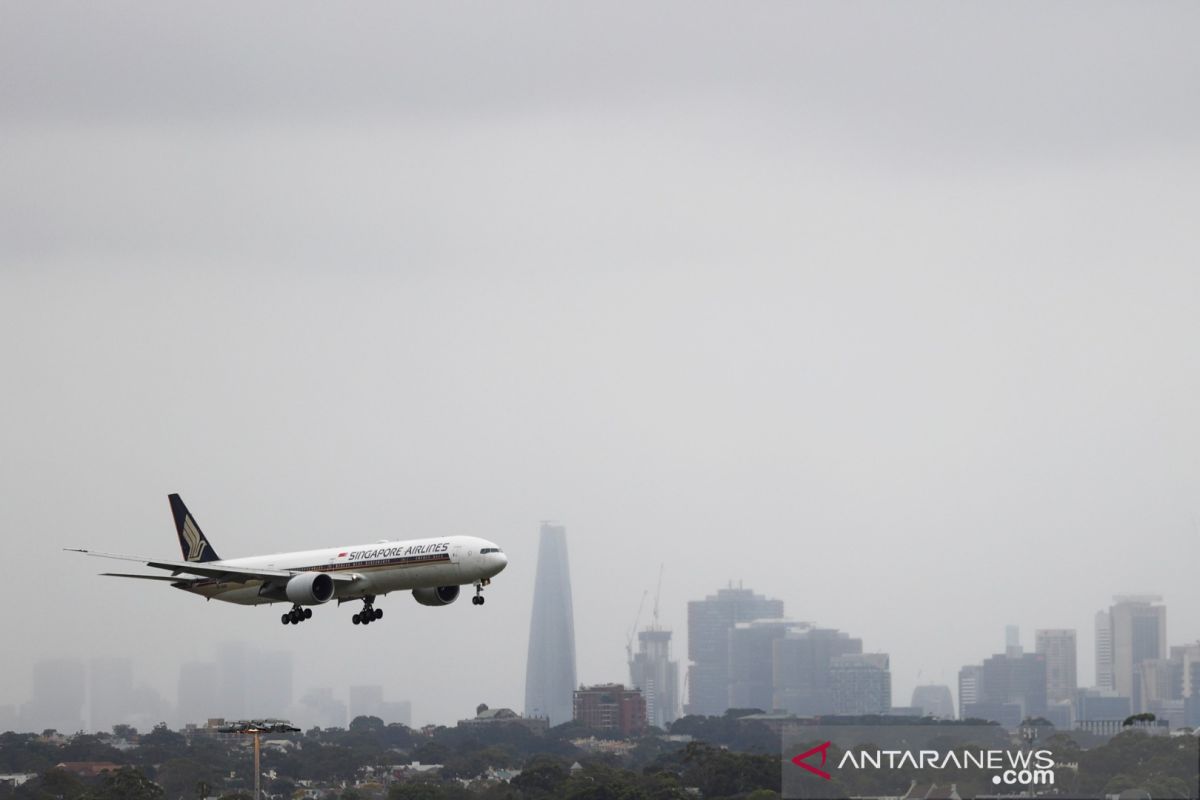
<point x="268" y="674"/>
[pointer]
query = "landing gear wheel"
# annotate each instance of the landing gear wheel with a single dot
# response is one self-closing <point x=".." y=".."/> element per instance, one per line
<point x="286" y="619"/>
<point x="308" y="613"/>
<point x="369" y="613"/>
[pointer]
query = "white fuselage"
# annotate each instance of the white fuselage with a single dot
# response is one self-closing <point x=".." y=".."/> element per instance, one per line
<point x="377" y="568"/>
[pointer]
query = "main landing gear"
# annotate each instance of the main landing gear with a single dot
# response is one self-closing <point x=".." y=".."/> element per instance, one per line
<point x="369" y="612"/>
<point x="296" y="615"/>
<point x="478" y="598"/>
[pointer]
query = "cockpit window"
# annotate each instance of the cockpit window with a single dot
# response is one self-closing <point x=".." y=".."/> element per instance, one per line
<point x="490" y="550"/>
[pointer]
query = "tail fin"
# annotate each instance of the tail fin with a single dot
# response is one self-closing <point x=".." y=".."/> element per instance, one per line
<point x="191" y="539"/>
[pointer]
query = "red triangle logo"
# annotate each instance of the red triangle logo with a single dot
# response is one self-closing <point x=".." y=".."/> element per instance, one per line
<point x="823" y="749"/>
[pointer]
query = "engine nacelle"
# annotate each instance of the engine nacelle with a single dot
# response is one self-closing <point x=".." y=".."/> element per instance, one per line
<point x="310" y="588"/>
<point x="439" y="596"/>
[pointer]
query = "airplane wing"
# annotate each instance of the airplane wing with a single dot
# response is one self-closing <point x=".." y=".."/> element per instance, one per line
<point x="213" y="569"/>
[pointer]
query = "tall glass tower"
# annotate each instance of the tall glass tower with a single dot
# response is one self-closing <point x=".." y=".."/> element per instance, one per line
<point x="550" y="668"/>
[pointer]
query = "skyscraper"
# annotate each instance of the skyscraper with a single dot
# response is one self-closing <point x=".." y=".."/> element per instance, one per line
<point x="1058" y="646"/>
<point x="751" y="661"/>
<point x="550" y="667"/>
<point x="860" y="683"/>
<point x="709" y="622"/>
<point x="59" y="689"/>
<point x="197" y="698"/>
<point x="1139" y="633"/>
<point x="801" y="669"/>
<point x="970" y="687"/>
<point x="1016" y="680"/>
<point x="653" y="671"/>
<point x="110" y="692"/>
<point x="1104" y="652"/>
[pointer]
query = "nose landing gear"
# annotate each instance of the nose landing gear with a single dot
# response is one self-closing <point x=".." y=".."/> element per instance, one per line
<point x="369" y="613"/>
<point x="478" y="598"/>
<point x="296" y="615"/>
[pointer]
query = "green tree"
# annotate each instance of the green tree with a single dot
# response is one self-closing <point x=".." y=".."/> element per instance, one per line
<point x="60" y="783"/>
<point x="126" y="783"/>
<point x="366" y="723"/>
<point x="179" y="776"/>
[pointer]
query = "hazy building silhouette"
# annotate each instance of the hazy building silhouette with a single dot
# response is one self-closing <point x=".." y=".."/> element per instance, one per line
<point x="1014" y="680"/>
<point x="935" y="700"/>
<point x="709" y="622"/>
<point x="550" y="665"/>
<point x="110" y="692"/>
<point x="751" y="661"/>
<point x="970" y="685"/>
<point x="233" y="678"/>
<point x="59" y="691"/>
<point x="269" y="683"/>
<point x="653" y="671"/>
<point x="365" y="701"/>
<point x="1057" y="645"/>
<point x="1104" y="652"/>
<point x="196" y="700"/>
<point x="801" y="669"/>
<point x="319" y="707"/>
<point x="861" y="683"/>
<point x="1012" y="640"/>
<point x="1139" y="633"/>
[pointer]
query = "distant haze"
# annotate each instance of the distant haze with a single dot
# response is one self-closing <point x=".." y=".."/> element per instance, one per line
<point x="889" y="311"/>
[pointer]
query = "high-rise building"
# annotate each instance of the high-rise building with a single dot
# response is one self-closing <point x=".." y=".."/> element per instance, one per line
<point x="319" y="707"/>
<point x="751" y="661"/>
<point x="1012" y="640"/>
<point x="550" y="666"/>
<point x="196" y="701"/>
<point x="801" y="669"/>
<point x="269" y="683"/>
<point x="110" y="692"/>
<point x="934" y="700"/>
<point x="1139" y="633"/>
<point x="970" y="687"/>
<point x="233" y="679"/>
<point x="653" y="671"/>
<point x="1019" y="680"/>
<point x="59" y="689"/>
<point x="365" y="701"/>
<point x="860" y="683"/>
<point x="1058" y="646"/>
<point x="1104" y="653"/>
<point x="709" y="622"/>
<point x="1187" y="671"/>
<point x="610" y="707"/>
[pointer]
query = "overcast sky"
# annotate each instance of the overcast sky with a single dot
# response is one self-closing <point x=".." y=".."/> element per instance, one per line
<point x="888" y="310"/>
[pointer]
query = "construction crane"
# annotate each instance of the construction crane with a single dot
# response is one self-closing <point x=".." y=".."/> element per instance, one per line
<point x="633" y="630"/>
<point x="657" y="593"/>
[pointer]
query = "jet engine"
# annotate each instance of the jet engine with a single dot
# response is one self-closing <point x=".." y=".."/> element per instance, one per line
<point x="310" y="588"/>
<point x="439" y="596"/>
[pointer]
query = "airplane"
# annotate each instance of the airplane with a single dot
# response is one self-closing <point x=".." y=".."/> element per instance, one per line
<point x="433" y="569"/>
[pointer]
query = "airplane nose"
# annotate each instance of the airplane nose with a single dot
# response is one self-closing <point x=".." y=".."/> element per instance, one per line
<point x="501" y="561"/>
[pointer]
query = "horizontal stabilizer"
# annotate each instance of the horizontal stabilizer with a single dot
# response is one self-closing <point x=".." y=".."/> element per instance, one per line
<point x="216" y="569"/>
<point x="146" y="577"/>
